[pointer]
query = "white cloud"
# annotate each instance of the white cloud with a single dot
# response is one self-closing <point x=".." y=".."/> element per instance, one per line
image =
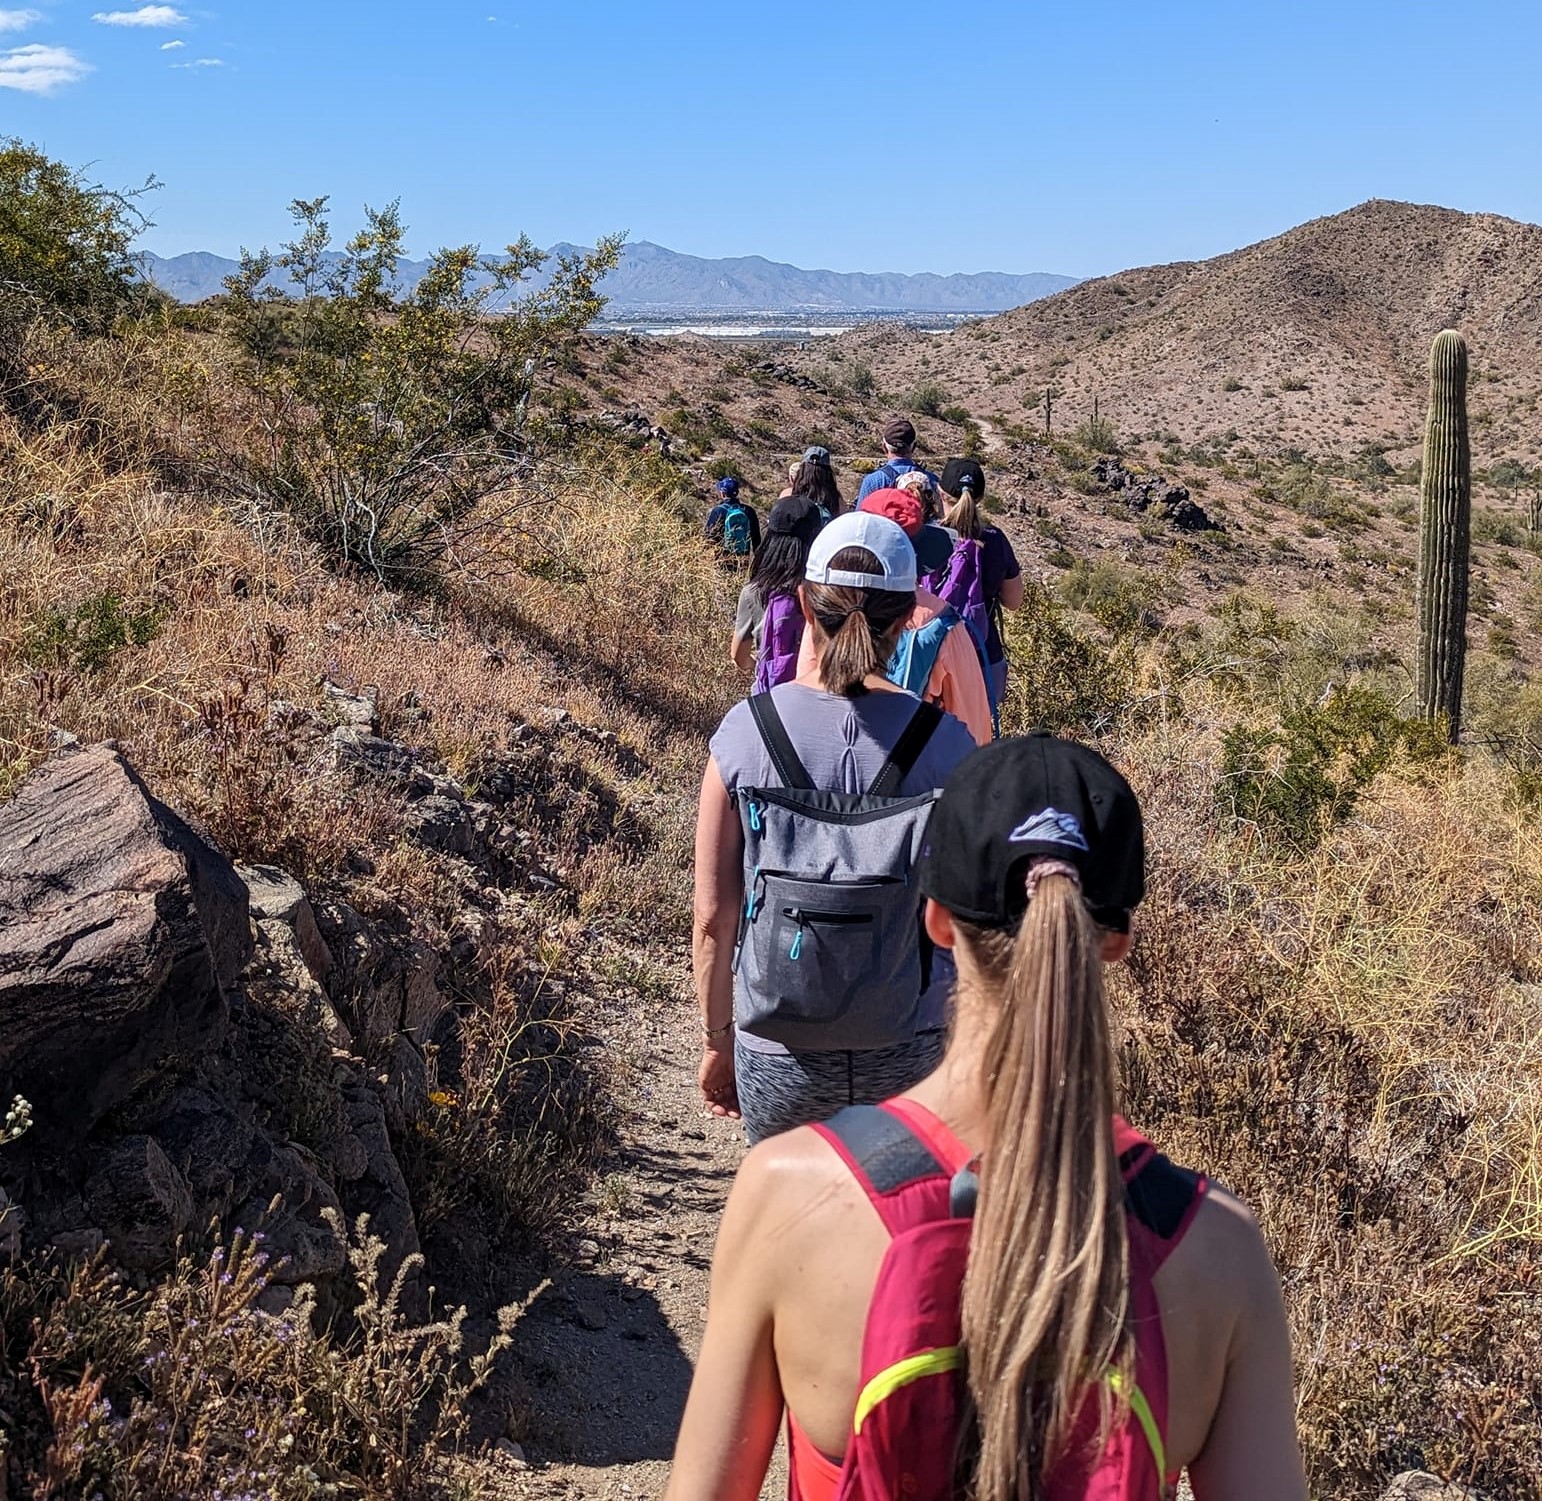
<point x="172" y="46"/>
<point x="202" y="62"/>
<point x="146" y="15"/>
<point x="40" y="70"/>
<point x="18" y="20"/>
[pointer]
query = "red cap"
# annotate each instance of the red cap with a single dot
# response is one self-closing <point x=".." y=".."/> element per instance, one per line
<point x="898" y="505"/>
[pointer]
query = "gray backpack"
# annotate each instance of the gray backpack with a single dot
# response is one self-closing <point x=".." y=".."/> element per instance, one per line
<point x="830" y="953"/>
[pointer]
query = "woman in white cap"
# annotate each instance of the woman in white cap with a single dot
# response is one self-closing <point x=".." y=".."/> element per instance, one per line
<point x="816" y="986"/>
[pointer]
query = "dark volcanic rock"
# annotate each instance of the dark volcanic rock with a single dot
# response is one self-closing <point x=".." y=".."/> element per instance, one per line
<point x="140" y="1201"/>
<point x="120" y="931"/>
<point x="1152" y="493"/>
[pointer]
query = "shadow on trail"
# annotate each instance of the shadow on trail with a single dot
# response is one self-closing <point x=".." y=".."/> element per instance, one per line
<point x="601" y="1371"/>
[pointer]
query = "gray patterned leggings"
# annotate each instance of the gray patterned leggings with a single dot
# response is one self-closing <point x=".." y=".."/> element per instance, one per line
<point x="778" y="1091"/>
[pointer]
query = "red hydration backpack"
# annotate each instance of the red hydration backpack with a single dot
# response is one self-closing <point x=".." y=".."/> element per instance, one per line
<point x="906" y="1435"/>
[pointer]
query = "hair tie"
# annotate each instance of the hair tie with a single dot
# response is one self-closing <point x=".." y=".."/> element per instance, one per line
<point x="1038" y="869"/>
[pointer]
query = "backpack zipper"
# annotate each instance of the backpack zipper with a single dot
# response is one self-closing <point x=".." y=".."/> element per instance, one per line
<point x="806" y="917"/>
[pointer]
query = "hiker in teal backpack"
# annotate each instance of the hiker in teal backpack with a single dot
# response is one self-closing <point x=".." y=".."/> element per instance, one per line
<point x="732" y="522"/>
<point x="815" y="985"/>
<point x="992" y="1286"/>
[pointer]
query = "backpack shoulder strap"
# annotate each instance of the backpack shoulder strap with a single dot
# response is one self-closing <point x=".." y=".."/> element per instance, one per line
<point x="887" y="1158"/>
<point x="1160" y="1196"/>
<point x="907" y="751"/>
<point x="784" y="756"/>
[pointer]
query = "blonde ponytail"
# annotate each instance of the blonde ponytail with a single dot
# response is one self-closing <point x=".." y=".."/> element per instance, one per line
<point x="963" y="514"/>
<point x="1047" y="1287"/>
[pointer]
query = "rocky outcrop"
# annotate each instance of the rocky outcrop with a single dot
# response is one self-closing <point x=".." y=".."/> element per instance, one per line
<point x="121" y="934"/>
<point x="1151" y="493"/>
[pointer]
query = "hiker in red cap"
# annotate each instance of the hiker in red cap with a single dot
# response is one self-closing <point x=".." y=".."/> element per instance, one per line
<point x="939" y="660"/>
<point x="992" y="1286"/>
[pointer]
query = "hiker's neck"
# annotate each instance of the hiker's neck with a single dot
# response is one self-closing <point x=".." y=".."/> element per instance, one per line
<point x="955" y="1092"/>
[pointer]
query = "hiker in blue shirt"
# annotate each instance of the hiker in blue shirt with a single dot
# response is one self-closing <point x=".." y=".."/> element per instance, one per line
<point x="732" y="522"/>
<point x="899" y="444"/>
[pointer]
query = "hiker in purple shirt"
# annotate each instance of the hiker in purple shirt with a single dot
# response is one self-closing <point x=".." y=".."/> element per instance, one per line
<point x="768" y="626"/>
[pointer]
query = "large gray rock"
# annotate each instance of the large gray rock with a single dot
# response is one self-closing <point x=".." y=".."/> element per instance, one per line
<point x="120" y="931"/>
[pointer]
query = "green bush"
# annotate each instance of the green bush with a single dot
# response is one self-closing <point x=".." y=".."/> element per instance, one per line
<point x="1098" y="434"/>
<point x="928" y="399"/>
<point x="64" y="248"/>
<point x="87" y="637"/>
<point x="1294" y="780"/>
<point x="387" y="420"/>
<point x="1060" y="679"/>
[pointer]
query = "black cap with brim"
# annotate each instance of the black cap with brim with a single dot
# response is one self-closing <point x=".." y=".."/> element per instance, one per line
<point x="1029" y="796"/>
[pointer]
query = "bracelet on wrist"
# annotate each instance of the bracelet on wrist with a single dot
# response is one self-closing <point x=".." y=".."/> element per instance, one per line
<point x="710" y="1033"/>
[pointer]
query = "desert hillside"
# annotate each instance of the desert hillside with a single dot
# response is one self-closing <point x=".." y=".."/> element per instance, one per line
<point x="1312" y="340"/>
<point x="348" y="1052"/>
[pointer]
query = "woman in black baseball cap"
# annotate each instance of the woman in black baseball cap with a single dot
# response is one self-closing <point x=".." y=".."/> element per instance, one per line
<point x="1083" y="1317"/>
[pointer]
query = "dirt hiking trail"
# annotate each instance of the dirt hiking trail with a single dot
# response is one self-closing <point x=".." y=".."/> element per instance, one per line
<point x="604" y="1357"/>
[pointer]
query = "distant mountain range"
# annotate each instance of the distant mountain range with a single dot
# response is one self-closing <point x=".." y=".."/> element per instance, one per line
<point x="653" y="279"/>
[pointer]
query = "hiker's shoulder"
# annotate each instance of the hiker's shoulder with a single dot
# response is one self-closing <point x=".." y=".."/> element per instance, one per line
<point x="785" y="1178"/>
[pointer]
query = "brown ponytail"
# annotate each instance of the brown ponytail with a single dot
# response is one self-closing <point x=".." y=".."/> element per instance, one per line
<point x="1046" y="1292"/>
<point x="862" y="626"/>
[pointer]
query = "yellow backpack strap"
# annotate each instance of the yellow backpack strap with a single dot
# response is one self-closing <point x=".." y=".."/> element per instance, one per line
<point x="902" y="1374"/>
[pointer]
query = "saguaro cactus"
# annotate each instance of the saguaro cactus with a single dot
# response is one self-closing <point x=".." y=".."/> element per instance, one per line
<point x="1444" y="535"/>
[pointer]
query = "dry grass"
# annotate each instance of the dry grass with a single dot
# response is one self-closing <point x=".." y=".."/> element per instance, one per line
<point x="1349" y="1030"/>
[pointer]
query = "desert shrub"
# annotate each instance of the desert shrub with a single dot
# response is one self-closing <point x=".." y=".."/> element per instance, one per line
<point x="928" y="399"/>
<point x="516" y="1111"/>
<point x="192" y="1388"/>
<point x="1232" y="383"/>
<point x="1294" y="383"/>
<point x="64" y="248"/>
<point x="85" y="637"/>
<point x="954" y="413"/>
<point x="1124" y="601"/>
<point x="1293" y="780"/>
<point x="1098" y="435"/>
<point x="392" y="424"/>
<point x="1333" y="1027"/>
<point x="1061" y="679"/>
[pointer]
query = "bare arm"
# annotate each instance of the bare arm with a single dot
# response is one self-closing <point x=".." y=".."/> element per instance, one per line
<point x="1251" y="1452"/>
<point x="1011" y="595"/>
<point x="735" y="1407"/>
<point x="719" y="893"/>
<point x="742" y="652"/>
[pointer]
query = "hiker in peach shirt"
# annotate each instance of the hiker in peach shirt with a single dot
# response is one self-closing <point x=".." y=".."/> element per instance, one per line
<point x="956" y="683"/>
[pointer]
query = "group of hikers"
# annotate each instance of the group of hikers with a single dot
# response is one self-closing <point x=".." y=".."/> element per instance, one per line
<point x="947" y="1261"/>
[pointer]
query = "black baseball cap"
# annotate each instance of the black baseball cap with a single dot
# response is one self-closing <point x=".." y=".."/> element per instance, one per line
<point x="1028" y="796"/>
<point x="956" y="471"/>
<point x="796" y="516"/>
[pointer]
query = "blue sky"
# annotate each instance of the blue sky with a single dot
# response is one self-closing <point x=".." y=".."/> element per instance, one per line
<point x="960" y="135"/>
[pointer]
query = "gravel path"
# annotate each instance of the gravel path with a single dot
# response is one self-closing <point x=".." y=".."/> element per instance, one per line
<point x="604" y="1357"/>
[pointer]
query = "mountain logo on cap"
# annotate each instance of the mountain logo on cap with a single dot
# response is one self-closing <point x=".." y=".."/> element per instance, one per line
<point x="1050" y="827"/>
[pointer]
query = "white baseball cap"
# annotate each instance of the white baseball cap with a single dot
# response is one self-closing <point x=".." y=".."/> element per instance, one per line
<point x="885" y="539"/>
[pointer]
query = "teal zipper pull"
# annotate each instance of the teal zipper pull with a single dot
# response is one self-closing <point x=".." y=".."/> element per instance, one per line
<point x="796" y="951"/>
<point x="754" y="816"/>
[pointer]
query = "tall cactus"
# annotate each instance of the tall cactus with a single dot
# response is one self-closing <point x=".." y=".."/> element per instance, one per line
<point x="1444" y="528"/>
